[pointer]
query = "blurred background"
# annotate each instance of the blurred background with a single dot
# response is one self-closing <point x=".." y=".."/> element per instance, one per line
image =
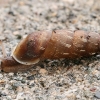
<point x="30" y="15"/>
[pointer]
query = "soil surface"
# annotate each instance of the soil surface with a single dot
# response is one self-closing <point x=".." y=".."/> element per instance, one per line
<point x="62" y="79"/>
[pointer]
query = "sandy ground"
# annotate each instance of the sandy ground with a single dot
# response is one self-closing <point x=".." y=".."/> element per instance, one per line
<point x="52" y="79"/>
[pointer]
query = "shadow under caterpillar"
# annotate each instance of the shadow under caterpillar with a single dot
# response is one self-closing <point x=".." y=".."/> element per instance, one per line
<point x="54" y="44"/>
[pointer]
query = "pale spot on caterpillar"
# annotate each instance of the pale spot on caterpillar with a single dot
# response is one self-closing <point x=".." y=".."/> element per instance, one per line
<point x="92" y="53"/>
<point x="70" y="31"/>
<point x="74" y="53"/>
<point x="68" y="45"/>
<point x="77" y="45"/>
<point x="65" y="53"/>
<point x="42" y="48"/>
<point x="69" y="37"/>
<point x="82" y="50"/>
<point x="84" y="40"/>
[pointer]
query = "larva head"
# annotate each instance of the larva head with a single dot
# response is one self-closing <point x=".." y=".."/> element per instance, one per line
<point x="30" y="49"/>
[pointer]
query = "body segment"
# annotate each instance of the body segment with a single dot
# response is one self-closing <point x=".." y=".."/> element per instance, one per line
<point x="56" y="44"/>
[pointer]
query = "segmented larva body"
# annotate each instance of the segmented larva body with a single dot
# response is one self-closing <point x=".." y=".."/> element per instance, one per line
<point x="56" y="44"/>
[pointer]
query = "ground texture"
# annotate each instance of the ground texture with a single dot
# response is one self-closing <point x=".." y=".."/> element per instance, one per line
<point x="52" y="79"/>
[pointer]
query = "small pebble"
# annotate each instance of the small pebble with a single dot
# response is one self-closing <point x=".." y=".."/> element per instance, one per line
<point x="30" y="77"/>
<point x="97" y="94"/>
<point x="11" y="74"/>
<point x="2" y="38"/>
<point x="16" y="33"/>
<point x="42" y="71"/>
<point x="93" y="89"/>
<point x="1" y="75"/>
<point x="2" y="82"/>
<point x="71" y="96"/>
<point x="19" y="89"/>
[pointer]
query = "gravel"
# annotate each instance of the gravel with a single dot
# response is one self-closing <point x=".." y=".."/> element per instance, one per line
<point x="52" y="79"/>
<point x="97" y="94"/>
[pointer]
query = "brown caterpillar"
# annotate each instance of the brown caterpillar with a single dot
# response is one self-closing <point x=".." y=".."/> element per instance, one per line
<point x="54" y="44"/>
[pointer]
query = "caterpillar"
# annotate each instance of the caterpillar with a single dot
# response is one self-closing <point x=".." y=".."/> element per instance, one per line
<point x="54" y="44"/>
